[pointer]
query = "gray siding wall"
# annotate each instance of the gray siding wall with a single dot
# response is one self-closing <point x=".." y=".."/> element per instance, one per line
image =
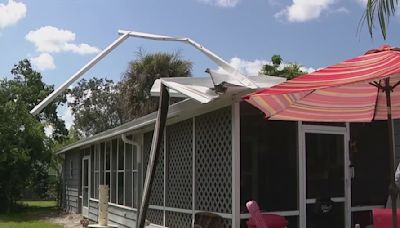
<point x="72" y="183"/>
<point x="213" y="174"/>
<point x="124" y="218"/>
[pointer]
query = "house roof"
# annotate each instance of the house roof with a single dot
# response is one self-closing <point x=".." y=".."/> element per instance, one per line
<point x="133" y="125"/>
<point x="194" y="88"/>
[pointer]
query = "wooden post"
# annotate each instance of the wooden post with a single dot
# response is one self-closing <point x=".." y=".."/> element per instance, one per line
<point x="154" y="154"/>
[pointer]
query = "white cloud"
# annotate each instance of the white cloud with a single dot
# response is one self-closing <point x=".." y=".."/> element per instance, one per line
<point x="342" y="10"/>
<point x="252" y="68"/>
<point x="43" y="62"/>
<point x="68" y="116"/>
<point x="307" y="69"/>
<point x="48" y="130"/>
<point x="81" y="48"/>
<point x="53" y="40"/>
<point x="50" y="39"/>
<point x="11" y="13"/>
<point x="304" y="10"/>
<point x="221" y="3"/>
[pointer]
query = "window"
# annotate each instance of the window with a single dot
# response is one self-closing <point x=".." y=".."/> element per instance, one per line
<point x="120" y="172"/>
<point x="71" y="168"/>
<point x="135" y="179"/>
<point x="268" y="148"/>
<point x="114" y="152"/>
<point x="107" y="166"/>
<point x="92" y="182"/>
<point x="128" y="175"/>
<point x="101" y="159"/>
<point x="115" y="165"/>
<point x="368" y="144"/>
<point x="96" y="158"/>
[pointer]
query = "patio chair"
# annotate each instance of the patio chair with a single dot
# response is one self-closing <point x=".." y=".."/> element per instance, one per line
<point x="208" y="220"/>
<point x="258" y="220"/>
<point x="256" y="215"/>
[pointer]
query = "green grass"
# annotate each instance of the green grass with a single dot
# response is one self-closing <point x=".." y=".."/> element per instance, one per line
<point x="31" y="215"/>
<point x="39" y="203"/>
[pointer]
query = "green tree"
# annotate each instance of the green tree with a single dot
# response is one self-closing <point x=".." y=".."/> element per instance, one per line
<point x="25" y="154"/>
<point x="136" y="83"/>
<point x="276" y="60"/>
<point x="22" y="148"/>
<point x="382" y="10"/>
<point x="275" y="68"/>
<point x="73" y="136"/>
<point x="27" y="86"/>
<point x="96" y="106"/>
<point x="100" y="104"/>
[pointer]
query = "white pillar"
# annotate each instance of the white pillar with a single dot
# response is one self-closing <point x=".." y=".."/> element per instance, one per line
<point x="236" y="164"/>
<point x="103" y="205"/>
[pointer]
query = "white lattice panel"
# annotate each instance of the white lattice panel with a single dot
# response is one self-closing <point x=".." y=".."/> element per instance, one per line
<point x="157" y="190"/>
<point x="180" y="151"/>
<point x="213" y="161"/>
<point x="178" y="220"/>
<point x="155" y="216"/>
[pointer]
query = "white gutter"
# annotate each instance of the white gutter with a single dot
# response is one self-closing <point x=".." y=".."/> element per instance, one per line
<point x="128" y="141"/>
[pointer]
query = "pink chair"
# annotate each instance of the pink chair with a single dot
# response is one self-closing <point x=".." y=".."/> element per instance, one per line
<point x="258" y="220"/>
<point x="256" y="216"/>
<point x="383" y="217"/>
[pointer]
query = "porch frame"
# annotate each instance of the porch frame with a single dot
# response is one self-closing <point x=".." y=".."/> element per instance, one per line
<point x="85" y="212"/>
<point x="323" y="129"/>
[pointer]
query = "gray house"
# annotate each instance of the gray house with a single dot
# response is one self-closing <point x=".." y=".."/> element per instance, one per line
<point x="219" y="155"/>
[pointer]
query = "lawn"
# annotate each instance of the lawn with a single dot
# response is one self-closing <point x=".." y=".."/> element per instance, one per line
<point x="31" y="215"/>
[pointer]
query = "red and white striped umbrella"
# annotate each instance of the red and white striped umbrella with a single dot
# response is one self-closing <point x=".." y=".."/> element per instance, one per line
<point x="360" y="89"/>
<point x="344" y="92"/>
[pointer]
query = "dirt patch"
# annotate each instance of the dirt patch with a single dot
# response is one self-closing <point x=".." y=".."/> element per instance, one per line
<point x="67" y="220"/>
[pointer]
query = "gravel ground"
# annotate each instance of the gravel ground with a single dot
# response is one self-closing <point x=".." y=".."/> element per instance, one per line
<point x="65" y="219"/>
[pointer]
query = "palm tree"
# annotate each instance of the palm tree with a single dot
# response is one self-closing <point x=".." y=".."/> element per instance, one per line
<point x="140" y="76"/>
<point x="383" y="10"/>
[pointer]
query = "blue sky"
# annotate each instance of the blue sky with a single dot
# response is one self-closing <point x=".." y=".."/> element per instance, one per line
<point x="60" y="36"/>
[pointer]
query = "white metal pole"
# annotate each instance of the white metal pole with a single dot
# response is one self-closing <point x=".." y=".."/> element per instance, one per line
<point x="236" y="164"/>
<point x="302" y="175"/>
<point x="347" y="202"/>
<point x="123" y="36"/>
<point x="193" y="170"/>
<point x="38" y="108"/>
<point x="164" y="153"/>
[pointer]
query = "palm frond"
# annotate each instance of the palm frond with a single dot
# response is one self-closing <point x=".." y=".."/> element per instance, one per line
<point x="380" y="10"/>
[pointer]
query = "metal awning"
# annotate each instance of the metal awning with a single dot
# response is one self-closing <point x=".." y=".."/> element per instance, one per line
<point x="203" y="89"/>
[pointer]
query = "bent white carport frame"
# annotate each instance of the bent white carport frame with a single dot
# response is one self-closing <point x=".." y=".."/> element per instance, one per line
<point x="123" y="36"/>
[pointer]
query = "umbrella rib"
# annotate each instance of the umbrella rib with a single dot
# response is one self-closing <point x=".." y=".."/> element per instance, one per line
<point x="379" y="87"/>
<point x="395" y="85"/>
<point x="291" y="104"/>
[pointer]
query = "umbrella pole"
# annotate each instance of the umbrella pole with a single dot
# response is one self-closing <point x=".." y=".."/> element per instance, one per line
<point x="392" y="188"/>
